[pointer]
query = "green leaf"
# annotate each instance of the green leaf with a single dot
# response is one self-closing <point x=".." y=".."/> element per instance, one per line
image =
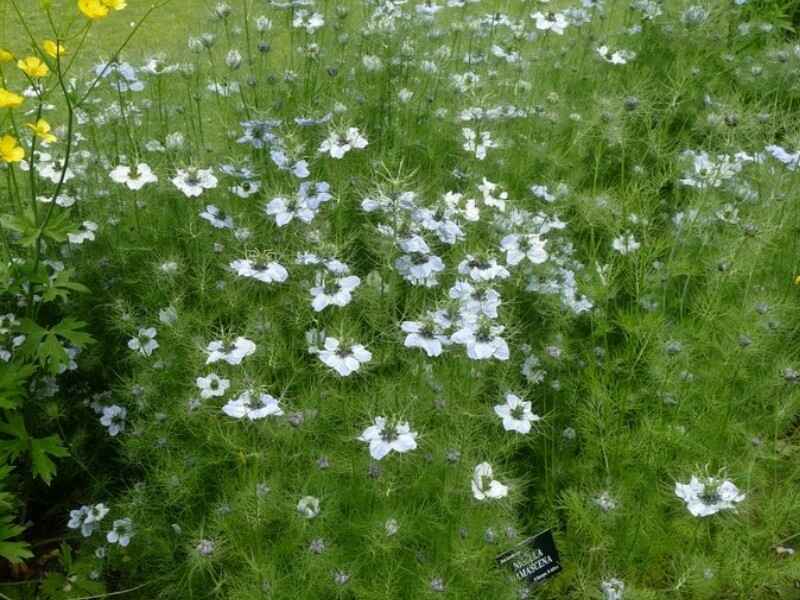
<point x="69" y="328"/>
<point x="60" y="286"/>
<point x="24" y="224"/>
<point x="44" y="345"/>
<point x="59" y="227"/>
<point x="14" y="552"/>
<point x="12" y="383"/>
<point x="14" y="426"/>
<point x="41" y="450"/>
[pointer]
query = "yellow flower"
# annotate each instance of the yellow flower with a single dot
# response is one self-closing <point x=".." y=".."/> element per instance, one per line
<point x="115" y="4"/>
<point x="5" y="56"/>
<point x="33" y="67"/>
<point x="93" y="9"/>
<point x="797" y="280"/>
<point x="10" y="99"/>
<point x="42" y="130"/>
<point x="10" y="151"/>
<point x="53" y="49"/>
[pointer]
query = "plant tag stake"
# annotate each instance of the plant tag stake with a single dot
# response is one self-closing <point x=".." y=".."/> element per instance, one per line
<point x="534" y="559"/>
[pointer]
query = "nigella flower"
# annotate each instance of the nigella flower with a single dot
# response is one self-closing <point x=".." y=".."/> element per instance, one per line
<point x="475" y="301"/>
<point x="484" y="486"/>
<point x="618" y="57"/>
<point x="193" y="182"/>
<point x="480" y="269"/>
<point x="303" y="205"/>
<point x="518" y="247"/>
<point x="87" y="518"/>
<point x="113" y="418"/>
<point x="233" y="353"/>
<point x="707" y="496"/>
<point x="343" y="360"/>
<point x="625" y="244"/>
<point x="308" y="507"/>
<point x="266" y="272"/>
<point x="790" y="159"/>
<point x="212" y="385"/>
<point x="246" y="406"/>
<point x="478" y="144"/>
<point x="605" y="502"/>
<point x="516" y="414"/>
<point x="420" y="269"/>
<point x="135" y="177"/>
<point x="491" y="197"/>
<point x="144" y="342"/>
<point x="308" y="21"/>
<point x="428" y="334"/>
<point x="85" y="233"/>
<point x="555" y="22"/>
<point x="613" y="589"/>
<point x="338" y="292"/>
<point x="383" y="438"/>
<point x="121" y="532"/>
<point x="337" y="144"/>
<point x="259" y="133"/>
<point x="246" y="188"/>
<point x="286" y="162"/>
<point x="482" y="339"/>
<point x="218" y="218"/>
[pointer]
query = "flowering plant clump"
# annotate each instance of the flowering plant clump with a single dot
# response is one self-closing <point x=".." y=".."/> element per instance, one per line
<point x="346" y="300"/>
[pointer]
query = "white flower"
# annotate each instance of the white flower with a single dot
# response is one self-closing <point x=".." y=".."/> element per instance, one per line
<point x="475" y="301"/>
<point x="619" y="57"/>
<point x="516" y="414"/>
<point x="233" y="354"/>
<point x="480" y="269"/>
<point x="266" y="272"/>
<point x="625" y="244"/>
<point x="335" y="293"/>
<point x="303" y="206"/>
<point x="708" y="496"/>
<point x="135" y="178"/>
<point x="145" y="342"/>
<point x="193" y="182"/>
<point x="484" y="487"/>
<point x="87" y="518"/>
<point x="113" y="418"/>
<point x="518" y="247"/>
<point x="121" y="532"/>
<point x="428" y="335"/>
<point x="555" y="22"/>
<point x="384" y="439"/>
<point x="84" y="233"/>
<point x="338" y="144"/>
<point x="308" y="507"/>
<point x="309" y="22"/>
<point x="477" y="146"/>
<point x="212" y="385"/>
<point x="217" y="218"/>
<point x="420" y="269"/>
<point x="341" y="360"/>
<point x="482" y="340"/>
<point x="245" y="406"/>
<point x="613" y="589"/>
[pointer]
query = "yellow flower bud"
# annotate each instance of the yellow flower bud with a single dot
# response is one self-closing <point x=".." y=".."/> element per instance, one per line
<point x="53" y="49"/>
<point x="41" y="129"/>
<point x="5" y="56"/>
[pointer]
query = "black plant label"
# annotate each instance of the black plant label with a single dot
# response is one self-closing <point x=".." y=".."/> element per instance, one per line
<point x="533" y="560"/>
